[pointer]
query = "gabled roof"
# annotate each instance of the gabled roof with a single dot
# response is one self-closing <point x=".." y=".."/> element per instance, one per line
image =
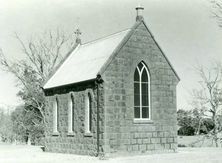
<point x="85" y="61"/>
<point x="88" y="60"/>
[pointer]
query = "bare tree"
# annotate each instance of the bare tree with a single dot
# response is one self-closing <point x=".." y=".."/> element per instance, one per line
<point x="209" y="96"/>
<point x="217" y="10"/>
<point x="42" y="56"/>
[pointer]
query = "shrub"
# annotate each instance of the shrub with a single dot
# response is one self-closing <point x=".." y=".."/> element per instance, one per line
<point x="186" y="130"/>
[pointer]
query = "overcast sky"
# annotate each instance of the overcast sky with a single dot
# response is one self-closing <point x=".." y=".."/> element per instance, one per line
<point x="184" y="29"/>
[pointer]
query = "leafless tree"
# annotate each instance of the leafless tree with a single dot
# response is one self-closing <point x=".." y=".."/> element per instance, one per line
<point x="209" y="96"/>
<point x="217" y="10"/>
<point x="42" y="56"/>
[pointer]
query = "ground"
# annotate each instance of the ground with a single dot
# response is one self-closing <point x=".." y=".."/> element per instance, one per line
<point x="33" y="154"/>
<point x="196" y="141"/>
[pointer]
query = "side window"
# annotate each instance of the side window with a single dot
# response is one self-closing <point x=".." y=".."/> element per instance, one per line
<point x="71" y="114"/>
<point x="141" y="92"/>
<point x="55" y="116"/>
<point x="88" y="113"/>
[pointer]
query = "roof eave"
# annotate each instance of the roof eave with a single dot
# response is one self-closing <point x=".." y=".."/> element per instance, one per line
<point x="70" y="84"/>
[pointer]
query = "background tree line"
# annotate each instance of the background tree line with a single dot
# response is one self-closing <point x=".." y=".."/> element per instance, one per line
<point x="20" y="126"/>
<point x="206" y="101"/>
<point x="192" y="124"/>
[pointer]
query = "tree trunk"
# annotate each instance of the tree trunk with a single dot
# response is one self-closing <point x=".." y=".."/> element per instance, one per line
<point x="215" y="129"/>
<point x="29" y="140"/>
<point x="198" y="129"/>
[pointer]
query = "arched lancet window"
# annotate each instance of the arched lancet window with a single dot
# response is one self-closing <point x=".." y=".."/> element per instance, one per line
<point x="88" y="117"/>
<point x="141" y="92"/>
<point x="71" y="114"/>
<point x="55" y="116"/>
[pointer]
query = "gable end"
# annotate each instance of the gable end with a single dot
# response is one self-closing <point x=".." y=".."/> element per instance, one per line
<point x="177" y="76"/>
<point x="124" y="41"/>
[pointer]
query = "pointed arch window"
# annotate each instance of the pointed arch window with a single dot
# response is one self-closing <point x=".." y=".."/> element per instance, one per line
<point x="55" y="116"/>
<point x="88" y="114"/>
<point x="71" y="114"/>
<point x="141" y="92"/>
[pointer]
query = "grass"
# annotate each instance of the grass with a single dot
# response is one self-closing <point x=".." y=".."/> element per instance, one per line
<point x="195" y="141"/>
<point x="33" y="154"/>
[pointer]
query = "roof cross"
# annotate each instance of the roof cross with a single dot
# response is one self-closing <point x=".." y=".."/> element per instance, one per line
<point x="78" y="33"/>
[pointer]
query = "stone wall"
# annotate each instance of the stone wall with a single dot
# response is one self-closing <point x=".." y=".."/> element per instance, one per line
<point x="79" y="142"/>
<point x="121" y="132"/>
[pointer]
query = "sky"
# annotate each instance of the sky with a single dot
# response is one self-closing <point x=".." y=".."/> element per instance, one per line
<point x="184" y="29"/>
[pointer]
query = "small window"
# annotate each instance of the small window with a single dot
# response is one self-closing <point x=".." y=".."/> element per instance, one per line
<point x="55" y="116"/>
<point x="71" y="114"/>
<point x="141" y="92"/>
<point x="88" y="116"/>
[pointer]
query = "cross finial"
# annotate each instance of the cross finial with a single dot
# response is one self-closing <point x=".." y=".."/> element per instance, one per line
<point x="78" y="33"/>
<point x="139" y="15"/>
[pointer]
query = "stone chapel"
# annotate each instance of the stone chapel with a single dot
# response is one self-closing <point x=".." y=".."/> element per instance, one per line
<point x="114" y="95"/>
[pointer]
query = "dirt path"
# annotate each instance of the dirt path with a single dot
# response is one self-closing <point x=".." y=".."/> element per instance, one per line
<point x="32" y="154"/>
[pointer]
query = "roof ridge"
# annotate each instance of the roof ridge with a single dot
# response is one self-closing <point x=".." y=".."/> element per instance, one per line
<point x="105" y="37"/>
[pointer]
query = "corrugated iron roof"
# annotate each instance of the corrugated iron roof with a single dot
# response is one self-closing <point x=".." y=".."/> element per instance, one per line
<point x="85" y="61"/>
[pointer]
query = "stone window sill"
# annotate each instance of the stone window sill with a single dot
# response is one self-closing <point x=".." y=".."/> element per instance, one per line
<point x="142" y="121"/>
<point x="55" y="133"/>
<point x="71" y="134"/>
<point x="88" y="134"/>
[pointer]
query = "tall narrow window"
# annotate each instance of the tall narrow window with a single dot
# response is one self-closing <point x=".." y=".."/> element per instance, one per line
<point x="141" y="92"/>
<point x="71" y="114"/>
<point x="55" y="116"/>
<point x="88" y="120"/>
